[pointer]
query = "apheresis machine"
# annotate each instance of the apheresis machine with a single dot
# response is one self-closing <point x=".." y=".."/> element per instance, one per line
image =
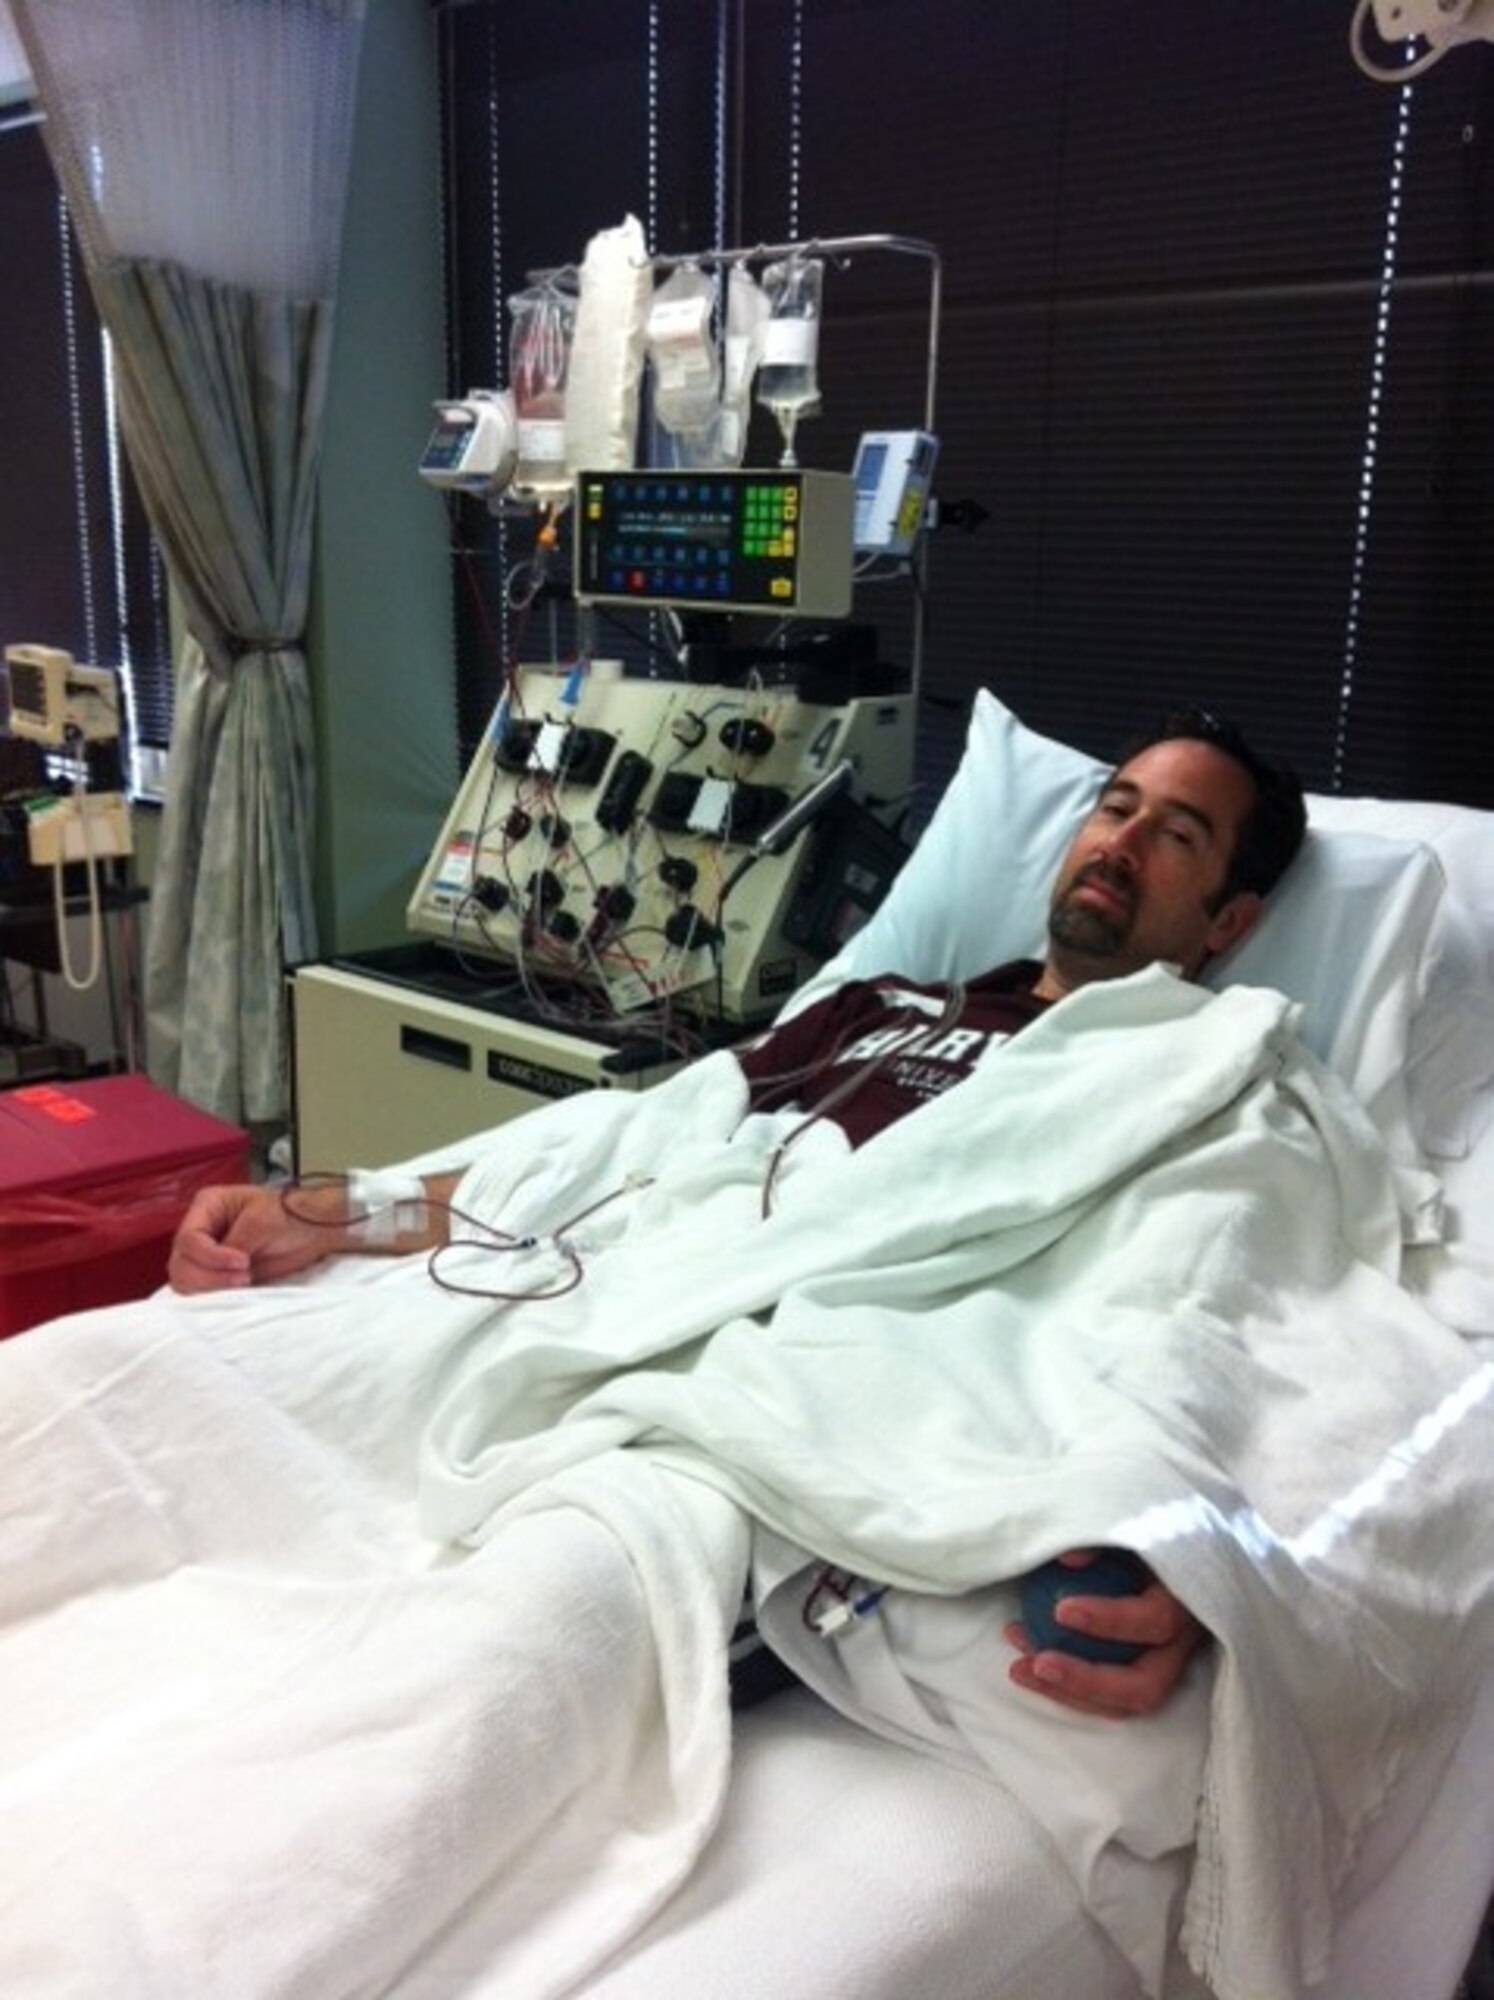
<point x="639" y="865"/>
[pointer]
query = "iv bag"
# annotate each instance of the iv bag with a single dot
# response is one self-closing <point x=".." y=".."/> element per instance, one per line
<point x="682" y="351"/>
<point x="746" y="316"/>
<point x="544" y="318"/>
<point x="788" y="376"/>
<point x="607" y="349"/>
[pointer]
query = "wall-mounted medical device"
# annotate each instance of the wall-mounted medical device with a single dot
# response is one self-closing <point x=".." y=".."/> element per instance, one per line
<point x="88" y="826"/>
<point x="593" y="841"/>
<point x="892" y="477"/>
<point x="768" y="541"/>
<point x="1439" y="24"/>
<point x="52" y="700"/>
<point x="474" y="445"/>
<point x="1439" y="21"/>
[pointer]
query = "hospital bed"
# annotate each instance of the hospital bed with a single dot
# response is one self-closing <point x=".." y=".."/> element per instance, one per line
<point x="843" y="1864"/>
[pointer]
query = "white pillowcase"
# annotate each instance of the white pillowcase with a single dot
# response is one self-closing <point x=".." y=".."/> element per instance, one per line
<point x="1390" y="966"/>
<point x="1450" y="1053"/>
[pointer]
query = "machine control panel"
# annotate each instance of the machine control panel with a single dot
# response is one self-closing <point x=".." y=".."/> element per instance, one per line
<point x="599" y="840"/>
<point x="725" y="541"/>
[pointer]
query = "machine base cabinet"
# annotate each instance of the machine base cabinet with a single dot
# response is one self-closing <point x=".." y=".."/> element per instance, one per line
<point x="383" y="1072"/>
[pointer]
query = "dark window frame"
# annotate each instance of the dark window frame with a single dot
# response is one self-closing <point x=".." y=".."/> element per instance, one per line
<point x="79" y="568"/>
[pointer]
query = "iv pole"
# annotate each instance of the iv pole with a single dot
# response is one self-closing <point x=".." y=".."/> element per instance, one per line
<point x="841" y="250"/>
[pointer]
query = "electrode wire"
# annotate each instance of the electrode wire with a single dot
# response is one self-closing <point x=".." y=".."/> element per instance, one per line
<point x="950" y="1013"/>
<point x="497" y="1242"/>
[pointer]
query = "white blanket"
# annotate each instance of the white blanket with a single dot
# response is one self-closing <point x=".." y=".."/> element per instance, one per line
<point x="1134" y="1283"/>
<point x="262" y="1731"/>
<point x="260" y="1739"/>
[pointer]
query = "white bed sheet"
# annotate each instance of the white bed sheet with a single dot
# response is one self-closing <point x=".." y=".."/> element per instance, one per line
<point x="848" y="1866"/>
<point x="851" y="1869"/>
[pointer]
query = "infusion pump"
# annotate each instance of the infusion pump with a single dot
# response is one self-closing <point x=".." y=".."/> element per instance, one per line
<point x="607" y="832"/>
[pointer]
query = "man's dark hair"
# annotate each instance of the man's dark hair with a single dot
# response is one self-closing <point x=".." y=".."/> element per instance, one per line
<point x="1275" y="825"/>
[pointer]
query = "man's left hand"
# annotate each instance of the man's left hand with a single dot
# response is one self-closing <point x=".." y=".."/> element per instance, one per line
<point x="1152" y="1618"/>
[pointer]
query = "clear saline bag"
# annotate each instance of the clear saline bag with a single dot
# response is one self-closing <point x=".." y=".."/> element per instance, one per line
<point x="788" y="381"/>
<point x="544" y="318"/>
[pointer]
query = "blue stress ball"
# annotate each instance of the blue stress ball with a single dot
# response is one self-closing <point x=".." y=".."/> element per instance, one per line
<point x="1112" y="1573"/>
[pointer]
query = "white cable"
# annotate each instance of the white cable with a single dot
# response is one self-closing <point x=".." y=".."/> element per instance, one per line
<point x="95" y="919"/>
<point x="1379" y="364"/>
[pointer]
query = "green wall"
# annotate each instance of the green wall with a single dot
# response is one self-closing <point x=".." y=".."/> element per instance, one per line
<point x="379" y="645"/>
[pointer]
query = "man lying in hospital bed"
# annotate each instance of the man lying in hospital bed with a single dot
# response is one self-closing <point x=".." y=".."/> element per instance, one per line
<point x="1172" y="867"/>
<point x="1060" y="1306"/>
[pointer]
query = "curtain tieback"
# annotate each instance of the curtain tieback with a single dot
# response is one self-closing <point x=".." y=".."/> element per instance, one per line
<point x="240" y="643"/>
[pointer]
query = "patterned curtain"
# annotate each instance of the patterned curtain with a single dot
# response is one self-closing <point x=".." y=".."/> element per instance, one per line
<point x="203" y="146"/>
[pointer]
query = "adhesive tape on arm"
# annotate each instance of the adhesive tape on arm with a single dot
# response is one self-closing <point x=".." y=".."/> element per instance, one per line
<point x="379" y="1204"/>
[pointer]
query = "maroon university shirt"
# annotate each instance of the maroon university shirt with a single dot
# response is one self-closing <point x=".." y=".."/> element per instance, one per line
<point x="876" y="1049"/>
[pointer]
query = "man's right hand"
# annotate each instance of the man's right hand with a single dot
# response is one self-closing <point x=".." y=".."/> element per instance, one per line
<point x="236" y="1236"/>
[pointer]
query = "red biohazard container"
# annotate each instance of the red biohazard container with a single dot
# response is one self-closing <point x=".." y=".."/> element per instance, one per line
<point x="94" y="1178"/>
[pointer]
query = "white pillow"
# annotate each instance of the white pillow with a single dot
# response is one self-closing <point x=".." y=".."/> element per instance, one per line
<point x="974" y="892"/>
<point x="1355" y="932"/>
<point x="1450" y="1056"/>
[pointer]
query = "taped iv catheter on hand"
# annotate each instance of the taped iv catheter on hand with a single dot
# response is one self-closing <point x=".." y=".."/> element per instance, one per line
<point x="380" y="1205"/>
